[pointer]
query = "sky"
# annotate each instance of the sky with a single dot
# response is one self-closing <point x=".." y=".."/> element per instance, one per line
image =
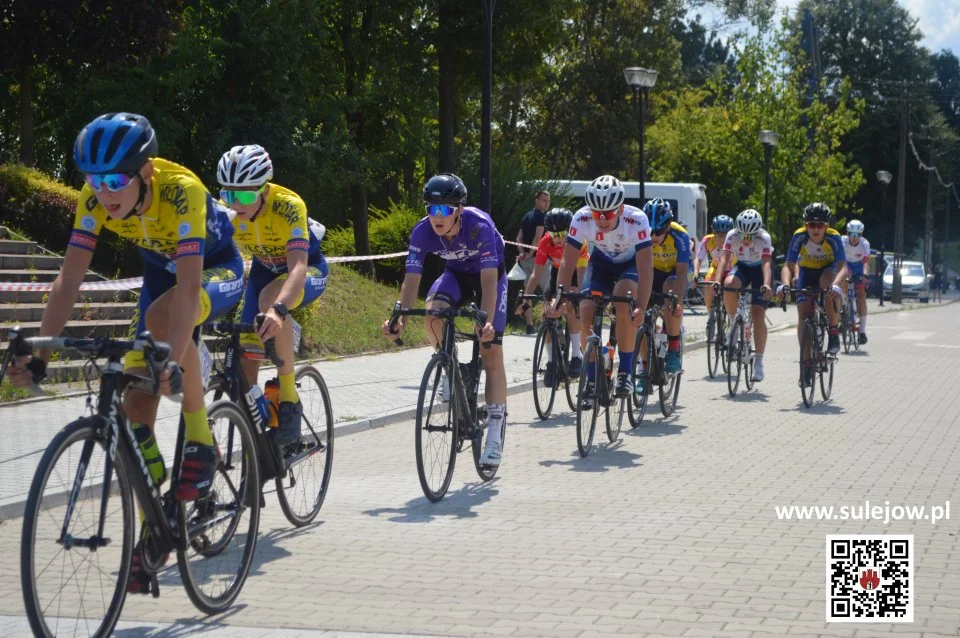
<point x="939" y="21"/>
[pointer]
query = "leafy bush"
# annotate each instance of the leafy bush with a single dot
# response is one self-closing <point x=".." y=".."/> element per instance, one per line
<point x="389" y="233"/>
<point x="44" y="210"/>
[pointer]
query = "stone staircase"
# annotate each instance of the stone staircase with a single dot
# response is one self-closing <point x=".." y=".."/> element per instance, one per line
<point x="96" y="313"/>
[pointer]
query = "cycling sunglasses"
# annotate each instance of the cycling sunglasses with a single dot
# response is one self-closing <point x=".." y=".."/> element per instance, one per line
<point x="114" y="182"/>
<point x="816" y="225"/>
<point x="441" y="210"/>
<point x="560" y="234"/>
<point x="854" y="235"/>
<point x="661" y="231"/>
<point x="244" y="198"/>
<point x="604" y="214"/>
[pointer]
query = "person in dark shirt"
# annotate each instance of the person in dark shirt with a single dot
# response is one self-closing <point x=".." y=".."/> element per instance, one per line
<point x="531" y="232"/>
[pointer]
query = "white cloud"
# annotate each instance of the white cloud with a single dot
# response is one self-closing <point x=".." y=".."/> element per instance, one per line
<point x="939" y="22"/>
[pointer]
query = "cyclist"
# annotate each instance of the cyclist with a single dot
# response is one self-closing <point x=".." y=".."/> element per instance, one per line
<point x="815" y="257"/>
<point x="621" y="262"/>
<point x="711" y="248"/>
<point x="856" y="249"/>
<point x="752" y="248"/>
<point x="468" y="241"/>
<point x="288" y="270"/>
<point x="556" y="224"/>
<point x="671" y="261"/>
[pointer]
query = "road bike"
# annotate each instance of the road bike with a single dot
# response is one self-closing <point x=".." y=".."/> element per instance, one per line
<point x="551" y="357"/>
<point x="850" y="319"/>
<point x="652" y="345"/>
<point x="815" y="360"/>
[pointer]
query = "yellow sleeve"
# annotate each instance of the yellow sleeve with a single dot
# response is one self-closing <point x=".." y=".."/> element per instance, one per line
<point x="296" y="216"/>
<point x="188" y="198"/>
<point x="88" y="221"/>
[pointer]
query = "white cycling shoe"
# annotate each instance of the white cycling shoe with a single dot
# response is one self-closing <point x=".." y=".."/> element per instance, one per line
<point x="491" y="453"/>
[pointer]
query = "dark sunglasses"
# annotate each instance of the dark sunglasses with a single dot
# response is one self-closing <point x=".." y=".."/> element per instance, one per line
<point x="662" y="231"/>
<point x="816" y="225"/>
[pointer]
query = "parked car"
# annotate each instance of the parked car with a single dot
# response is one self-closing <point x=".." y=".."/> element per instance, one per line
<point x="913" y="279"/>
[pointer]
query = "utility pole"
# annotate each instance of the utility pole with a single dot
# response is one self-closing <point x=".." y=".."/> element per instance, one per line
<point x="946" y="230"/>
<point x="897" y="292"/>
<point x="928" y="214"/>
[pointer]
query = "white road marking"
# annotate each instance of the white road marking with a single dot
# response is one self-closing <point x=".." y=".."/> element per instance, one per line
<point x="913" y="336"/>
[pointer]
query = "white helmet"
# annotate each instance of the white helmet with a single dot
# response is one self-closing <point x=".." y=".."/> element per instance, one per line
<point x="749" y="222"/>
<point x="242" y="166"/>
<point x="855" y="226"/>
<point x="604" y="193"/>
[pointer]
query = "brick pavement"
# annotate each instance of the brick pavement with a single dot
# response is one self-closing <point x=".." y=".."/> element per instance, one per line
<point x="671" y="531"/>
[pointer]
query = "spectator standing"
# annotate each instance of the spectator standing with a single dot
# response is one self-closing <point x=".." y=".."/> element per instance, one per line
<point x="530" y="234"/>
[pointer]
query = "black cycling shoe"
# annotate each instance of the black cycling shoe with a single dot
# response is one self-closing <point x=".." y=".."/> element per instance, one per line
<point x="550" y="375"/>
<point x="288" y="423"/>
<point x="624" y="386"/>
<point x="196" y="471"/>
<point x="589" y="391"/>
<point x="863" y="338"/>
<point x="576" y="364"/>
<point x="833" y="344"/>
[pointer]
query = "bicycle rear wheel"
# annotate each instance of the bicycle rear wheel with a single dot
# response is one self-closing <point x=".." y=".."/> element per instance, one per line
<point x="826" y="370"/>
<point x="545" y="365"/>
<point x="845" y="320"/>
<point x="714" y="350"/>
<point x="309" y="464"/>
<point x="641" y="375"/>
<point x="213" y="573"/>
<point x="587" y="419"/>
<point x="748" y="361"/>
<point x="808" y="367"/>
<point x="854" y="325"/>
<point x="74" y="589"/>
<point x="437" y="428"/>
<point x="734" y="356"/>
<point x="722" y="345"/>
<point x="671" y="389"/>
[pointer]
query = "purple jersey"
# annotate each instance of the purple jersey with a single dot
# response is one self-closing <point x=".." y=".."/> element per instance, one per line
<point x="478" y="245"/>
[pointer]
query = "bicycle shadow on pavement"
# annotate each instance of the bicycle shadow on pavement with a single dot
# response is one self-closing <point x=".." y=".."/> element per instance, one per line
<point x="603" y="457"/>
<point x="750" y="396"/>
<point x="183" y="627"/>
<point x="820" y="408"/>
<point x="457" y="503"/>
<point x="269" y="545"/>
<point x="554" y="421"/>
<point x="659" y="427"/>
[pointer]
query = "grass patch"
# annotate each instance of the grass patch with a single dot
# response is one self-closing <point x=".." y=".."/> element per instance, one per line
<point x="346" y="320"/>
<point x="9" y="393"/>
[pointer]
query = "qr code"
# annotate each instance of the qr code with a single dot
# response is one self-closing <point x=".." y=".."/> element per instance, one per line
<point x="870" y="578"/>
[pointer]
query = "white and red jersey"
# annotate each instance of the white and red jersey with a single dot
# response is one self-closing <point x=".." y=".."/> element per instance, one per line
<point x="751" y="254"/>
<point x="859" y="254"/>
<point x="619" y="245"/>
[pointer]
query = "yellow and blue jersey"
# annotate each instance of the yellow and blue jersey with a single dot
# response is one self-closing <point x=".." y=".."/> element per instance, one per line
<point x="809" y="254"/>
<point x="674" y="249"/>
<point x="281" y="226"/>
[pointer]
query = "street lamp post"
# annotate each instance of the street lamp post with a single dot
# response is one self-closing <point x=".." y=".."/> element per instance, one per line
<point x="640" y="79"/>
<point x="769" y="140"/>
<point x="884" y="177"/>
<point x="486" y="98"/>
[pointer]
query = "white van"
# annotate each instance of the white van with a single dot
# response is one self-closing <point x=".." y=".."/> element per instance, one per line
<point x="689" y="201"/>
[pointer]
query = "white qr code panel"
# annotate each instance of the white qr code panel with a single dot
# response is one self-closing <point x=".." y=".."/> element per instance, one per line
<point x="870" y="578"/>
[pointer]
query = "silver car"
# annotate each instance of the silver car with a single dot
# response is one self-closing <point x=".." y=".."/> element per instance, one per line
<point x="913" y="279"/>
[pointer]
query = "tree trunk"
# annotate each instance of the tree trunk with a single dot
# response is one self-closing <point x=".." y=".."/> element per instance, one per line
<point x="26" y="114"/>
<point x="361" y="235"/>
<point x="447" y="158"/>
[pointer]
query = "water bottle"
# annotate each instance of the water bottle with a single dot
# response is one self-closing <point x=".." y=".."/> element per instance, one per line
<point x="257" y="403"/>
<point x="151" y="454"/>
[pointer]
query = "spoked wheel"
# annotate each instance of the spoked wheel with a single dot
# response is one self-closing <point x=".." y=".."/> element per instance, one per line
<point x="845" y="335"/>
<point x="615" y="421"/>
<point x="808" y="367"/>
<point x="734" y="357"/>
<point x="72" y="589"/>
<point x="854" y="327"/>
<point x="222" y="527"/>
<point x="642" y="378"/>
<point x="715" y="345"/>
<point x="826" y="371"/>
<point x="437" y="428"/>
<point x="543" y="368"/>
<point x="722" y="331"/>
<point x="570" y="384"/>
<point x="485" y="472"/>
<point x="670" y="390"/>
<point x="748" y="361"/>
<point x="587" y="418"/>
<point x="310" y="463"/>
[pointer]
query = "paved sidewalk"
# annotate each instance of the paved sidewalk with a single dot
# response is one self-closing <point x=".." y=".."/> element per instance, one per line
<point x="366" y="391"/>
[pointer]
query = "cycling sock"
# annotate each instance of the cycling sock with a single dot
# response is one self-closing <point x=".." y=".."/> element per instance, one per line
<point x="758" y="357"/>
<point x="575" y="351"/>
<point x="288" y="388"/>
<point x="673" y="343"/>
<point x="863" y="324"/>
<point x="626" y="361"/>
<point x="497" y="414"/>
<point x="196" y="427"/>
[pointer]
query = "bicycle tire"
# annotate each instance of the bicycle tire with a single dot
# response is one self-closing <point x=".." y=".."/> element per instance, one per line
<point x="587" y="426"/>
<point x="734" y="356"/>
<point x="568" y="387"/>
<point x="713" y="345"/>
<point x="638" y="403"/>
<point x="826" y="370"/>
<point x="85" y="430"/>
<point x="541" y="363"/>
<point x="671" y="390"/>
<point x="845" y="327"/>
<point x="722" y="332"/>
<point x="316" y="445"/>
<point x="748" y="362"/>
<point x="246" y="491"/>
<point x="855" y="327"/>
<point x="807" y="344"/>
<point x="437" y="369"/>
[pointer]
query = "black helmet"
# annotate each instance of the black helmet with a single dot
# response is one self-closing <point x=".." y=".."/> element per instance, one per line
<point x="557" y="220"/>
<point x="445" y="188"/>
<point x="817" y="212"/>
<point x="115" y="143"/>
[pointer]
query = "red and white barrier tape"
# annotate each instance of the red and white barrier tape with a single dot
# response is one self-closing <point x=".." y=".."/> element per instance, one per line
<point x="133" y="283"/>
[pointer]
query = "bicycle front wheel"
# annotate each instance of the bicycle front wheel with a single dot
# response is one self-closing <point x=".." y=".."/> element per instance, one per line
<point x="587" y="418"/>
<point x="641" y="375"/>
<point x="437" y="428"/>
<point x="714" y="349"/>
<point x="734" y="358"/>
<point x="808" y="368"/>
<point x="826" y="371"/>
<point x="309" y="464"/>
<point x="845" y="328"/>
<point x="221" y="528"/>
<point x="74" y="580"/>
<point x="546" y="370"/>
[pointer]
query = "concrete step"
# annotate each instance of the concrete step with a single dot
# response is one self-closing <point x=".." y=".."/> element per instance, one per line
<point x="14" y="247"/>
<point x="25" y="262"/>
<point x="116" y="328"/>
<point x="28" y="275"/>
<point x="17" y="312"/>
<point x="86" y="296"/>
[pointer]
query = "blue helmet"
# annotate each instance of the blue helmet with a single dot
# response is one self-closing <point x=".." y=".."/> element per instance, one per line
<point x="659" y="213"/>
<point x="115" y="143"/>
<point x="722" y="224"/>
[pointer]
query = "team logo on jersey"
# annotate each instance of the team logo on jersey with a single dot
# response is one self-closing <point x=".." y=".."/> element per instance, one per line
<point x="88" y="222"/>
<point x="297" y="232"/>
<point x="287" y="210"/>
<point x="642" y="234"/>
<point x="599" y="236"/>
<point x="573" y="231"/>
<point x="474" y="232"/>
<point x="175" y="195"/>
<point x="91" y="202"/>
<point x="243" y="227"/>
<point x="183" y="229"/>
